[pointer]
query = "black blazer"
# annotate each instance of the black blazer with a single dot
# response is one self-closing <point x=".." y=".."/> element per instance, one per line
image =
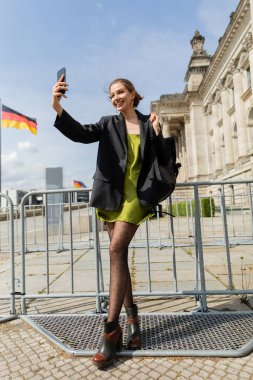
<point x="111" y="133"/>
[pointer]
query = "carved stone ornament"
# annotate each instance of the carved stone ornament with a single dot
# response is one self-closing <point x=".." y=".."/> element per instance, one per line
<point x="221" y="84"/>
<point x="247" y="43"/>
<point x="232" y="65"/>
<point x="211" y="99"/>
<point x="197" y="43"/>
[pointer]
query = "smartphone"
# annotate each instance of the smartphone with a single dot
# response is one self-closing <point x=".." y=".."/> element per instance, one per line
<point x="61" y="72"/>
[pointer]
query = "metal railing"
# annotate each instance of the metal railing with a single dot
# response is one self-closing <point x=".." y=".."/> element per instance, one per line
<point x="7" y="294"/>
<point x="58" y="236"/>
<point x="170" y="236"/>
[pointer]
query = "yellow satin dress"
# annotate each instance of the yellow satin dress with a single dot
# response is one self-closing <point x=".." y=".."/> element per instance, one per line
<point x="130" y="210"/>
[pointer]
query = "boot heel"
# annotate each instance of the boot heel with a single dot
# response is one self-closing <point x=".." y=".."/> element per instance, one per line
<point x="111" y="342"/>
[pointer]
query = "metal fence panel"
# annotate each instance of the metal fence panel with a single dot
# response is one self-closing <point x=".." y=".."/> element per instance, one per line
<point x="165" y="235"/>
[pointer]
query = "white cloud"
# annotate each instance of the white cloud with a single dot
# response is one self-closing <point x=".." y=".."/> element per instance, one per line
<point x="19" y="174"/>
<point x="26" y="146"/>
<point x="9" y="159"/>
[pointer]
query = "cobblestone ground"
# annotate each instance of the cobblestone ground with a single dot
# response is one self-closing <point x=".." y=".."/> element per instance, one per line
<point x="25" y="354"/>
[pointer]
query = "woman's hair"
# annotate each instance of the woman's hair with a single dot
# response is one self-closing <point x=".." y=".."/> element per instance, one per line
<point x="130" y="87"/>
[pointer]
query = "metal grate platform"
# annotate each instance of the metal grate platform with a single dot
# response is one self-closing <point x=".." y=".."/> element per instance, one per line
<point x="198" y="334"/>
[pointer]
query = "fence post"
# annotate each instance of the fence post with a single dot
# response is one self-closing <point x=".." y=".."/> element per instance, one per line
<point x="159" y="227"/>
<point x="71" y="243"/>
<point x="173" y="245"/>
<point x="12" y="253"/>
<point x="12" y="295"/>
<point x="250" y="207"/>
<point x="23" y="285"/>
<point x="12" y="258"/>
<point x="148" y="256"/>
<point x="199" y="249"/>
<point x="225" y="231"/>
<point x="96" y="248"/>
<point x="47" y="243"/>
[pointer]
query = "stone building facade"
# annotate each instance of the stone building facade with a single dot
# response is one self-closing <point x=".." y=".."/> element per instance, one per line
<point x="212" y="120"/>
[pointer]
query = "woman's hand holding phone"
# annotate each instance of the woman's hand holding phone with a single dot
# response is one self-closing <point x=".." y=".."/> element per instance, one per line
<point x="59" y="90"/>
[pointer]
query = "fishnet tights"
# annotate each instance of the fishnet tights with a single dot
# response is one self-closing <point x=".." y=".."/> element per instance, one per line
<point x="120" y="234"/>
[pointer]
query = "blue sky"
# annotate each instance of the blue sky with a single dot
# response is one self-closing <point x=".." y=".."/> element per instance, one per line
<point x="145" y="41"/>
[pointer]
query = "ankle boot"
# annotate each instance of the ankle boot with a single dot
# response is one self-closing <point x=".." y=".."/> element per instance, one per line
<point x="111" y="342"/>
<point x="133" y="329"/>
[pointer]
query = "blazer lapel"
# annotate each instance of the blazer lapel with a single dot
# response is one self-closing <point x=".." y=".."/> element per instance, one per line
<point x="121" y="130"/>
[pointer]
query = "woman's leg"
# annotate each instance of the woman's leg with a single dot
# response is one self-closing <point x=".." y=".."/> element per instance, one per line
<point x="120" y="235"/>
<point x="128" y="299"/>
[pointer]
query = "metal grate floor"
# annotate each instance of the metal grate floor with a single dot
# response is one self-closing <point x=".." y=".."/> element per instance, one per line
<point x="199" y="334"/>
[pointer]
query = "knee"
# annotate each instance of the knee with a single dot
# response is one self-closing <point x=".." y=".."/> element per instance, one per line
<point x="118" y="252"/>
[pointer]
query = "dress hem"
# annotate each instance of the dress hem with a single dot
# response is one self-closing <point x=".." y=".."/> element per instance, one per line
<point x="126" y="221"/>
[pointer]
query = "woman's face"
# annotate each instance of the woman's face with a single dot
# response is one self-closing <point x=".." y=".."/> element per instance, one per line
<point x="122" y="99"/>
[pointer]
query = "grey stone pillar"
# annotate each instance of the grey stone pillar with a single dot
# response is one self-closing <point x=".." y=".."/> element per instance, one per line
<point x="209" y="133"/>
<point x="199" y="142"/>
<point x="251" y="65"/>
<point x="166" y="126"/>
<point x="227" y="127"/>
<point x="240" y="114"/>
<point x="217" y="138"/>
<point x="188" y="144"/>
<point x="183" y="174"/>
<point x="251" y="15"/>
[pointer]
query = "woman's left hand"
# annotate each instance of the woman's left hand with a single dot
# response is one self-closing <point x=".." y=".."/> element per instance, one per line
<point x="155" y="122"/>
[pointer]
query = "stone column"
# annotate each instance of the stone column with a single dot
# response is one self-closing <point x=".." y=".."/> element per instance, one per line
<point x="166" y="126"/>
<point x="180" y="149"/>
<point x="188" y="145"/>
<point x="240" y="113"/>
<point x="209" y="144"/>
<point x="227" y="127"/>
<point x="251" y="65"/>
<point x="183" y="169"/>
<point x="199" y="142"/>
<point x="217" y="138"/>
<point x="251" y="15"/>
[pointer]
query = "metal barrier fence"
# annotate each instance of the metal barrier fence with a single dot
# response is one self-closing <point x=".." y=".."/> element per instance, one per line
<point x="195" y="235"/>
<point x="238" y="211"/>
<point x="7" y="268"/>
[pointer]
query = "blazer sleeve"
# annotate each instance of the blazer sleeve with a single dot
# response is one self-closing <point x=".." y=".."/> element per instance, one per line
<point x="69" y="127"/>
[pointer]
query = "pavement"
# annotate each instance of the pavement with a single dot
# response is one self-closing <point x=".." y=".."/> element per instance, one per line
<point x="27" y="354"/>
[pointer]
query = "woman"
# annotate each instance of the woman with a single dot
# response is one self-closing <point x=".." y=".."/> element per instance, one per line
<point x="123" y="193"/>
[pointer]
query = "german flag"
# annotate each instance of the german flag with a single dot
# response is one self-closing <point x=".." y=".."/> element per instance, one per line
<point x="79" y="185"/>
<point x="14" y="119"/>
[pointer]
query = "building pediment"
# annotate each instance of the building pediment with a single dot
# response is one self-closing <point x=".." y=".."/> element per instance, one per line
<point x="232" y="30"/>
